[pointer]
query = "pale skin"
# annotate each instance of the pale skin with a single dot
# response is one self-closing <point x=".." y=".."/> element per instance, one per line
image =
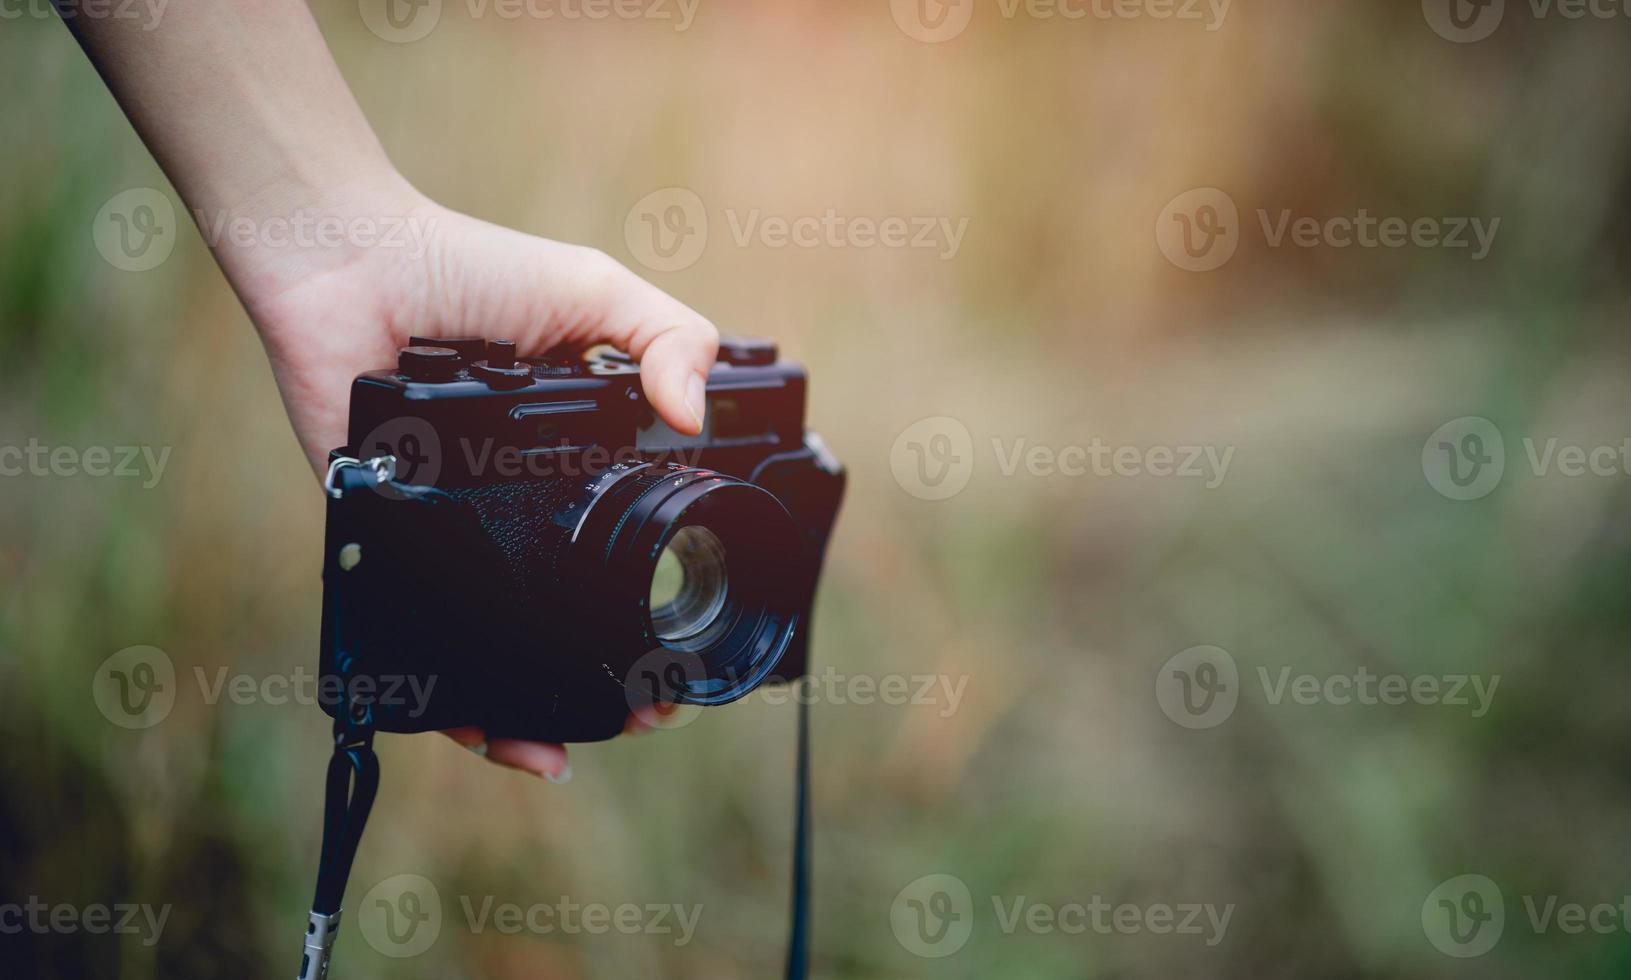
<point x="242" y="105"/>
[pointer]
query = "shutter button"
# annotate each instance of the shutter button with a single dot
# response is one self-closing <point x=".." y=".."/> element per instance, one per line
<point x="500" y="370"/>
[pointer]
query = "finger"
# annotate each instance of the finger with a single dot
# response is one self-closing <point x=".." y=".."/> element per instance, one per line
<point x="473" y="739"/>
<point x="539" y="758"/>
<point x="675" y="345"/>
<point x="674" y="371"/>
<point x="641" y="720"/>
<point x="543" y="294"/>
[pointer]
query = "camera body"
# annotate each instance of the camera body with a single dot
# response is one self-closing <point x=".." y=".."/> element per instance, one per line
<point x="521" y="544"/>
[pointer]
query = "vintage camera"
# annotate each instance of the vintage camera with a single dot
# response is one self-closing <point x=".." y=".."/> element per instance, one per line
<point x="521" y="544"/>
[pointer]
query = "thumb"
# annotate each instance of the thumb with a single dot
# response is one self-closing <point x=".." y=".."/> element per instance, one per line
<point x="583" y="297"/>
<point x="675" y="345"/>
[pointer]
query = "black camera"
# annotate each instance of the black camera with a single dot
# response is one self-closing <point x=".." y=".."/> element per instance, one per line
<point x="522" y="544"/>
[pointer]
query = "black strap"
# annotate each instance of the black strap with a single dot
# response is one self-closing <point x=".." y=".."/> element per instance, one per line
<point x="353" y="768"/>
<point x="798" y="942"/>
<point x="353" y="781"/>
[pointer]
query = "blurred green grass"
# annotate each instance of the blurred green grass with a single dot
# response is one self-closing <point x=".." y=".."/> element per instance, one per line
<point x="1057" y="778"/>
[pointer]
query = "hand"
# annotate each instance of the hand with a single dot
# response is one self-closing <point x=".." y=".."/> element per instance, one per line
<point x="327" y="314"/>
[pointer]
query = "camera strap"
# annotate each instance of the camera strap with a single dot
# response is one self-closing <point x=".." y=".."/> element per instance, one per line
<point x="353" y="768"/>
<point x="798" y="940"/>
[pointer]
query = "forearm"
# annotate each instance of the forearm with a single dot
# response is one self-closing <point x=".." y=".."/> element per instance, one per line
<point x="244" y="108"/>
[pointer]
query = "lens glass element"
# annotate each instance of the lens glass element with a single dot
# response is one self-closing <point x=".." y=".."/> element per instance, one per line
<point x="689" y="587"/>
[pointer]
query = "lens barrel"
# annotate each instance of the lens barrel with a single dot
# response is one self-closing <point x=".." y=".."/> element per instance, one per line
<point x="727" y="636"/>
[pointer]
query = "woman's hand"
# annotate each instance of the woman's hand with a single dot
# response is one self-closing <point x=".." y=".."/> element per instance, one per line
<point x="243" y="106"/>
<point x="328" y="312"/>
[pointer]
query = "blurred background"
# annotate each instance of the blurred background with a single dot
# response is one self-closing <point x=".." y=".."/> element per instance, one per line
<point x="1092" y="754"/>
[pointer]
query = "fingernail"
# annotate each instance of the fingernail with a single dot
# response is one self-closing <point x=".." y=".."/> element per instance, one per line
<point x="564" y="775"/>
<point x="695" y="398"/>
<point x="480" y="748"/>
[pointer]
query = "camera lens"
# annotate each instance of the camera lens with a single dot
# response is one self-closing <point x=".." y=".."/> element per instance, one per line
<point x="689" y="587"/>
<point x="689" y="566"/>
